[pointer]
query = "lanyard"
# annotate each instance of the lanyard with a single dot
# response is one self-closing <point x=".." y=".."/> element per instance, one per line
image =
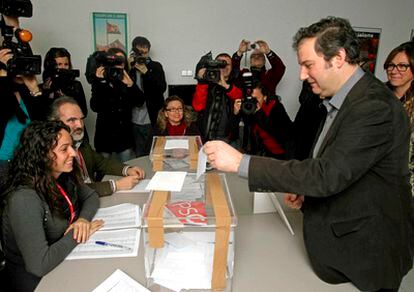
<point x="72" y="211"/>
<point x="85" y="174"/>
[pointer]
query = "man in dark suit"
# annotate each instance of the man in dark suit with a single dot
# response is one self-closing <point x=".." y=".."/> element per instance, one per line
<point x="355" y="193"/>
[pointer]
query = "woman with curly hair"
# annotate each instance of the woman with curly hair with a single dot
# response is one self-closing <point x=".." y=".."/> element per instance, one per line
<point x="399" y="67"/>
<point x="174" y="119"/>
<point x="46" y="209"/>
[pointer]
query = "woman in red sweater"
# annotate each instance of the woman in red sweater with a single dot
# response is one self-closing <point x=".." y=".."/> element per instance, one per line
<point x="174" y="119"/>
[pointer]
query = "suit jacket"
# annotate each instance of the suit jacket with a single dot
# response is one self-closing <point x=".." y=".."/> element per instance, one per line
<point x="358" y="210"/>
<point x="97" y="167"/>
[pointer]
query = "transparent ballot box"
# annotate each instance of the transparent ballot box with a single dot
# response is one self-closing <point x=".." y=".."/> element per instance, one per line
<point x="189" y="236"/>
<point x="171" y="153"/>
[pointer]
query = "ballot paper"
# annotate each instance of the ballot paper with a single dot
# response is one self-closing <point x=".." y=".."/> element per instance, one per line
<point x="138" y="188"/>
<point x="120" y="282"/>
<point x="125" y="241"/>
<point x="167" y="181"/>
<point x="119" y="237"/>
<point x="176" y="144"/>
<point x="202" y="162"/>
<point x="190" y="256"/>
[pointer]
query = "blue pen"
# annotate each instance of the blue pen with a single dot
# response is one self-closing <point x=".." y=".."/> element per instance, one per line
<point x="104" y="243"/>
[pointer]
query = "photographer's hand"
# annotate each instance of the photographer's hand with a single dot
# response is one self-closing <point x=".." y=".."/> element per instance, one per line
<point x="100" y="72"/>
<point x="263" y="47"/>
<point x="223" y="82"/>
<point x="127" y="80"/>
<point x="200" y="73"/>
<point x="141" y="68"/>
<point x="5" y="56"/>
<point x="237" y="106"/>
<point x="31" y="83"/>
<point x="47" y="84"/>
<point x="244" y="44"/>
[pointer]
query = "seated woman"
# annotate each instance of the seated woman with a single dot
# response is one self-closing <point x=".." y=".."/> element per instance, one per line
<point x="46" y="209"/>
<point x="174" y="119"/>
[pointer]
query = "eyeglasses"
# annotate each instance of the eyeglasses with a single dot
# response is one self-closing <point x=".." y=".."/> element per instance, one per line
<point x="401" y="67"/>
<point x="175" y="110"/>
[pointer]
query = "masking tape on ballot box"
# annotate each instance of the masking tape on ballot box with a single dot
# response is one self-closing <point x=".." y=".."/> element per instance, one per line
<point x="215" y="193"/>
<point x="193" y="152"/>
<point x="158" y="154"/>
<point x="155" y="219"/>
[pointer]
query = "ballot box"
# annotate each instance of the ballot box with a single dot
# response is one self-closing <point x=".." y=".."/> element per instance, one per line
<point x="175" y="153"/>
<point x="189" y="236"/>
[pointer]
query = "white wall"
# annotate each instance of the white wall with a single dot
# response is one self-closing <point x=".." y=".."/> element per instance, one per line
<point x="182" y="30"/>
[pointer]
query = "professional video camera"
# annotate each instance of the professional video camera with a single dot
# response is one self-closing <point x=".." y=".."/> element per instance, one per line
<point x="18" y="8"/>
<point x="109" y="62"/>
<point x="23" y="61"/>
<point x="138" y="59"/>
<point x="213" y="67"/>
<point x="249" y="103"/>
<point x="63" y="77"/>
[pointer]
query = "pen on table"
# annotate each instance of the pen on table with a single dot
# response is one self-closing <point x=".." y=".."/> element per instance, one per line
<point x="104" y="243"/>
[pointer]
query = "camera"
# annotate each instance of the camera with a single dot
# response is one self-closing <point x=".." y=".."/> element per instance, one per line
<point x="23" y="61"/>
<point x="140" y="59"/>
<point x="252" y="46"/>
<point x="109" y="62"/>
<point x="19" y="8"/>
<point x="63" y="77"/>
<point x="249" y="103"/>
<point x="213" y="67"/>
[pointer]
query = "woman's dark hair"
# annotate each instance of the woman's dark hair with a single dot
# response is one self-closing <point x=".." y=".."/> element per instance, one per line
<point x="32" y="163"/>
<point x="162" y="119"/>
<point x="332" y="34"/>
<point x="49" y="64"/>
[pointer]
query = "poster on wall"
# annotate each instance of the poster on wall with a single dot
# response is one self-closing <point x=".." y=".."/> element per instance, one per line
<point x="369" y="40"/>
<point x="109" y="31"/>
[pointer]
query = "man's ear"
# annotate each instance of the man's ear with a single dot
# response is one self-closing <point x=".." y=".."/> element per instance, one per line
<point x="340" y="59"/>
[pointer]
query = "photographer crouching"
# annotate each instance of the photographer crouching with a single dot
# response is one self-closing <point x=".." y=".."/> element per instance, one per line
<point x="267" y="127"/>
<point x="214" y="97"/>
<point x="114" y="94"/>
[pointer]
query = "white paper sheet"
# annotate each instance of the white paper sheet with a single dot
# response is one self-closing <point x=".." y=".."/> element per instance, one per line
<point x="119" y="216"/>
<point x="167" y="181"/>
<point x="138" y="188"/>
<point x="129" y="238"/>
<point x="176" y="144"/>
<point x="120" y="282"/>
<point x="202" y="162"/>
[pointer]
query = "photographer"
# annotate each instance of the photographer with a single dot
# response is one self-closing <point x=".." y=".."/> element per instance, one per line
<point x="59" y="78"/>
<point x="113" y="95"/>
<point x="269" y="78"/>
<point x="213" y="100"/>
<point x="150" y="78"/>
<point x="268" y="129"/>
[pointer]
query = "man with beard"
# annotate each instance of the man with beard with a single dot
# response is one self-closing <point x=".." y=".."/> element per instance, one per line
<point x="261" y="50"/>
<point x="93" y="165"/>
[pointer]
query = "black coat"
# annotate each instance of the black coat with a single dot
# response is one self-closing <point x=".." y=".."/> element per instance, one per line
<point x="154" y="86"/>
<point x="358" y="212"/>
<point x="113" y="103"/>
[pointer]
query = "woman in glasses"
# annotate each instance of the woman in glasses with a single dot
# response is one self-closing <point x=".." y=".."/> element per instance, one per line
<point x="47" y="210"/>
<point x="399" y="66"/>
<point x="175" y="119"/>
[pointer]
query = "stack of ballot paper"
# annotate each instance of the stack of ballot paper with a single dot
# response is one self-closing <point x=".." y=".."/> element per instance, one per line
<point x="119" y="237"/>
<point x="120" y="282"/>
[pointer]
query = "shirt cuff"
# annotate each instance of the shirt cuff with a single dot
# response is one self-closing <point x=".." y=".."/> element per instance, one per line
<point x="244" y="166"/>
<point x="113" y="185"/>
<point x="125" y="170"/>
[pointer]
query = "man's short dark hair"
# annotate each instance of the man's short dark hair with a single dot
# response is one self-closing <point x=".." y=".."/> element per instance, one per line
<point x="332" y="34"/>
<point x="142" y="42"/>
